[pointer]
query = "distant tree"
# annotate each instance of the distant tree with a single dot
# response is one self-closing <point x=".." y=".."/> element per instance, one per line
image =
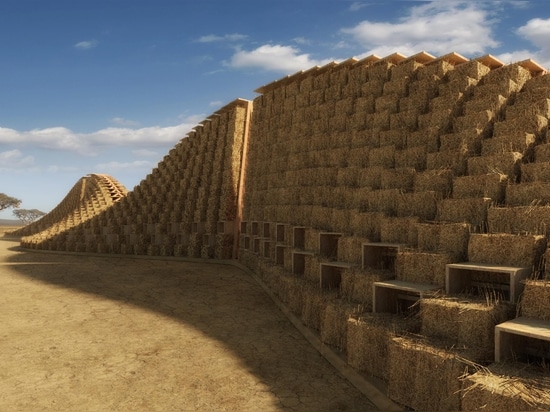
<point x="7" y="201"/>
<point x="28" y="216"/>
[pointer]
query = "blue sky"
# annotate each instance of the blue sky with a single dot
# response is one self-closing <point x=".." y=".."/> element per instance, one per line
<point x="97" y="86"/>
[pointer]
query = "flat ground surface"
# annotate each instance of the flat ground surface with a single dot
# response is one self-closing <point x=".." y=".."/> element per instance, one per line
<point x="99" y="333"/>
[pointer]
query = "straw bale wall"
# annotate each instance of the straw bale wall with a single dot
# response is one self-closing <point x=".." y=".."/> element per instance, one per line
<point x="447" y="157"/>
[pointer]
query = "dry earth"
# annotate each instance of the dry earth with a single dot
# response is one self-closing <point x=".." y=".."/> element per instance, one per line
<point x="99" y="333"/>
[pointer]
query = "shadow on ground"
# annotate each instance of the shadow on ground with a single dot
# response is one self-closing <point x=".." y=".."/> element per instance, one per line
<point x="220" y="301"/>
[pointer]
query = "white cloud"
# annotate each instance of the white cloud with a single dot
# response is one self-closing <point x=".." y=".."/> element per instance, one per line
<point x="14" y="159"/>
<point x="114" y="165"/>
<point x="145" y="153"/>
<point x="60" y="169"/>
<point x="215" y="103"/>
<point x="357" y="5"/>
<point x="63" y="139"/>
<point x="438" y="27"/>
<point x="537" y="31"/>
<point x="210" y="38"/>
<point x="277" y="58"/>
<point x="120" y="121"/>
<point x="86" y="45"/>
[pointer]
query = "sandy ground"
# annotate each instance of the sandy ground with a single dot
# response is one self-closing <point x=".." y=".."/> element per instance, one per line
<point x="98" y="333"/>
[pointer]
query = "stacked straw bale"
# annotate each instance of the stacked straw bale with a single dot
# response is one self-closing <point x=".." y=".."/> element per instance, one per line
<point x="529" y="193"/>
<point x="357" y="284"/>
<point x="533" y="220"/>
<point x="334" y="323"/>
<point x="490" y="185"/>
<point x="535" y="301"/>
<point x="368" y="340"/>
<point x="465" y="324"/>
<point x="422" y="267"/>
<point x="314" y="303"/>
<point x="506" y="387"/>
<point x="439" y="180"/>
<point x="507" y="249"/>
<point x="469" y="210"/>
<point x="400" y="230"/>
<point x="451" y="238"/>
<point x="423" y="376"/>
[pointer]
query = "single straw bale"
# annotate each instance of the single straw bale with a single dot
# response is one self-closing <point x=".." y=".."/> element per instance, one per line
<point x="369" y="335"/>
<point x="440" y="119"/>
<point x="382" y="156"/>
<point x="519" y="141"/>
<point x="400" y="230"/>
<point x="531" y="124"/>
<point x="474" y="69"/>
<point x="505" y="87"/>
<point x="479" y="120"/>
<point x="508" y="164"/>
<point x="291" y="292"/>
<point x="519" y="219"/>
<point x="422" y="267"/>
<point x="454" y="160"/>
<point x="525" y="194"/>
<point x="491" y="102"/>
<point x="320" y="216"/>
<point x="405" y="119"/>
<point x="412" y="157"/>
<point x="350" y="249"/>
<point x="470" y="210"/>
<point x="535" y="300"/>
<point x="468" y="324"/>
<point x="438" y="180"/>
<point x="428" y="237"/>
<point x="467" y="141"/>
<point x="525" y="106"/>
<point x="357" y="284"/>
<point x="492" y="185"/>
<point x="397" y="86"/>
<point x="358" y="157"/>
<point x="365" y="104"/>
<point x="438" y="68"/>
<point x="315" y="301"/>
<point x="383" y="200"/>
<point x="420" y="204"/>
<point x="423" y="376"/>
<point x="454" y="238"/>
<point x="393" y="137"/>
<point x="400" y="178"/>
<point x="312" y="268"/>
<point x="381" y="120"/>
<point x="389" y="102"/>
<point x="535" y="172"/>
<point x="428" y="138"/>
<point x="334" y="323"/>
<point x="312" y="239"/>
<point x="348" y="176"/>
<point x="367" y="224"/>
<point x="515" y="72"/>
<point x="506" y="249"/>
<point x="506" y="386"/>
<point x="341" y="220"/>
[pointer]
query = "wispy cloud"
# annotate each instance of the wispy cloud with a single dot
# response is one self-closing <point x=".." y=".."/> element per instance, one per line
<point x="145" y="153"/>
<point x="215" y="103"/>
<point x="86" y="44"/>
<point x="437" y="27"/>
<point x="90" y="144"/>
<point x="278" y="58"/>
<point x="120" y="121"/>
<point x="116" y="166"/>
<point x="537" y="31"/>
<point x="210" y="38"/>
<point x="14" y="159"/>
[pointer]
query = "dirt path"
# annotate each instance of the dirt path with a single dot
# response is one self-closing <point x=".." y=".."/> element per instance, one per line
<point x="94" y="333"/>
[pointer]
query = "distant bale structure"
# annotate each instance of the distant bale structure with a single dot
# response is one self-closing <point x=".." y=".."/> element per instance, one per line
<point x="397" y="206"/>
<point x="88" y="198"/>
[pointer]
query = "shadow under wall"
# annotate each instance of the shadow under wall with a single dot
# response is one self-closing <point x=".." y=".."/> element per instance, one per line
<point x="221" y="301"/>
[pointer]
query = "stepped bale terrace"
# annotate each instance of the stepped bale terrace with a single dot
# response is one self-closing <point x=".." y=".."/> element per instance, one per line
<point x="398" y="206"/>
